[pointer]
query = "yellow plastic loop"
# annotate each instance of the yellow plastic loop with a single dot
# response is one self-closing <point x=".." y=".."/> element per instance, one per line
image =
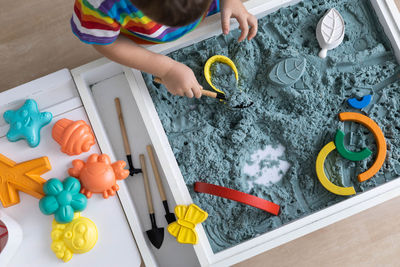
<point x="319" y="167"/>
<point x="222" y="59"/>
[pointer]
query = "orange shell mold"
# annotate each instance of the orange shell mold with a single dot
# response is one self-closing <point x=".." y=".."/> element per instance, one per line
<point x="74" y="137"/>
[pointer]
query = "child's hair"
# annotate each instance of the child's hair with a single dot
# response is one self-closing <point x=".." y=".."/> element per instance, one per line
<point x="173" y="12"/>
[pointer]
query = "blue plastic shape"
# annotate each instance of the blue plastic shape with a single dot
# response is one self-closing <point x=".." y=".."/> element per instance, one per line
<point x="360" y="104"/>
<point x="26" y="123"/>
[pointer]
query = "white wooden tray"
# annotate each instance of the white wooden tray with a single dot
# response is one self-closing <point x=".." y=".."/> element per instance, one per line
<point x="97" y="72"/>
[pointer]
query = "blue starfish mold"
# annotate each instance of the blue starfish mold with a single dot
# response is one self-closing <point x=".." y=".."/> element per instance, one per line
<point x="26" y="123"/>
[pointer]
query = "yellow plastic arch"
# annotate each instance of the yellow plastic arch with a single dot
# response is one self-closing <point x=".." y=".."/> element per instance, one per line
<point x="222" y="59"/>
<point x="319" y="167"/>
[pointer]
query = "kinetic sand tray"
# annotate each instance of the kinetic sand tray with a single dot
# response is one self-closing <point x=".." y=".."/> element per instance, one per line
<point x="171" y="172"/>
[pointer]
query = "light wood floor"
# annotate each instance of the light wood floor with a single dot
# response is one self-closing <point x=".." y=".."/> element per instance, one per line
<point x="35" y="40"/>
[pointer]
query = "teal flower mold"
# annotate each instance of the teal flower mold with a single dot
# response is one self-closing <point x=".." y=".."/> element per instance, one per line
<point x="62" y="199"/>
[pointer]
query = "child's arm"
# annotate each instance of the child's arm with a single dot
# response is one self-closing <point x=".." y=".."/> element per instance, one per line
<point x="178" y="78"/>
<point x="236" y="9"/>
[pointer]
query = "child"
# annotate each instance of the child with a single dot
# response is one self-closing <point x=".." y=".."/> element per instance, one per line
<point x="109" y="24"/>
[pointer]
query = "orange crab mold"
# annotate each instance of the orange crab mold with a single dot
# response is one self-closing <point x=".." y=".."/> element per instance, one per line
<point x="97" y="175"/>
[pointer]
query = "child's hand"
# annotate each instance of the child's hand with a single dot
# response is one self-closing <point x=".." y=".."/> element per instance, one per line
<point x="180" y="80"/>
<point x="236" y="9"/>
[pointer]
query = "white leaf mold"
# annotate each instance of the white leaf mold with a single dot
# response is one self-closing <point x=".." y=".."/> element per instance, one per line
<point x="330" y="31"/>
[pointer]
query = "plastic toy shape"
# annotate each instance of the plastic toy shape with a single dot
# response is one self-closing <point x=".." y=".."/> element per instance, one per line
<point x="379" y="139"/>
<point x="330" y="31"/>
<point x="74" y="137"/>
<point x="78" y="236"/>
<point x="62" y="199"/>
<point x="288" y="71"/>
<point x="238" y="196"/>
<point x="26" y="123"/>
<point x="98" y="175"/>
<point x="350" y="155"/>
<point x="319" y="167"/>
<point x="23" y="177"/>
<point x="360" y="104"/>
<point x="14" y="238"/>
<point x="184" y="228"/>
<point x="222" y="59"/>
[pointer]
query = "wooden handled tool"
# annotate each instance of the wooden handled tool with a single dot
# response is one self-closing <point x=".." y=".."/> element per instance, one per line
<point x="149" y="198"/>
<point x="155" y="234"/>
<point x="170" y="217"/>
<point x="211" y="94"/>
<point x="132" y="169"/>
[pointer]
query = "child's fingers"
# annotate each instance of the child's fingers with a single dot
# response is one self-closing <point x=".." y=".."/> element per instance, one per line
<point x="243" y="26"/>
<point x="197" y="91"/>
<point x="225" y="17"/>
<point x="189" y="93"/>
<point x="178" y="92"/>
<point x="254" y="27"/>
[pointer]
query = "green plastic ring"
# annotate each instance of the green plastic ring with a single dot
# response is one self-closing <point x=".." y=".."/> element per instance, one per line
<point x="350" y="155"/>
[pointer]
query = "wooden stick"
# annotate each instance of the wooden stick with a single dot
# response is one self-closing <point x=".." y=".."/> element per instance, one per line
<point x="158" y="80"/>
<point x="122" y="125"/>
<point x="146" y="184"/>
<point x="208" y="93"/>
<point x="156" y="173"/>
<point x="203" y="92"/>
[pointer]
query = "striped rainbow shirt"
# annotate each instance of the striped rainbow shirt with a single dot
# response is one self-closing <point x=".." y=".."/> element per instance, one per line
<point x="101" y="21"/>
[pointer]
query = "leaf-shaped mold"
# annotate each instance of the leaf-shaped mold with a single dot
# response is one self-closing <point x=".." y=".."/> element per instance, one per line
<point x="330" y="31"/>
<point x="287" y="72"/>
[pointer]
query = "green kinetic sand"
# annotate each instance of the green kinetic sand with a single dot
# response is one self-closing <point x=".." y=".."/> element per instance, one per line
<point x="218" y="144"/>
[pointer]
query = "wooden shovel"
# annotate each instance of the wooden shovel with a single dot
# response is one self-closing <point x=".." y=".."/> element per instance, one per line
<point x="211" y="94"/>
<point x="169" y="216"/>
<point x="155" y="234"/>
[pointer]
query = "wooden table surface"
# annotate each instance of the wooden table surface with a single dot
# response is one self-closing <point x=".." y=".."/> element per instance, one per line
<point x="35" y="40"/>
